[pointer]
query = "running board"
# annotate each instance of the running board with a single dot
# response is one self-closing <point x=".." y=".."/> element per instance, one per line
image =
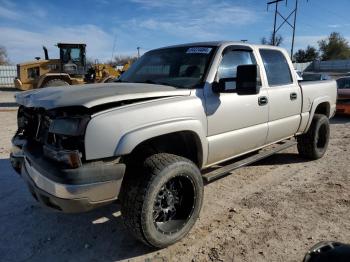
<point x="223" y="171"/>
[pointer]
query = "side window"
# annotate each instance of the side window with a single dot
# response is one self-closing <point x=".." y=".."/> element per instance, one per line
<point x="229" y="63"/>
<point x="276" y="67"/>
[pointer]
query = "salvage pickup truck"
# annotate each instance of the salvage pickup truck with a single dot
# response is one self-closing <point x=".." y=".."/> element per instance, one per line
<point x="176" y="120"/>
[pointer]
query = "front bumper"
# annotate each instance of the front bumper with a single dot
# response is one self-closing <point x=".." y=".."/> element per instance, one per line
<point x="71" y="190"/>
<point x="16" y="155"/>
<point x="16" y="159"/>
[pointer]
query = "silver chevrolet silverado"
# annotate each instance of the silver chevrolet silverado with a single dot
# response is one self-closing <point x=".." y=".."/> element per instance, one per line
<point x="178" y="118"/>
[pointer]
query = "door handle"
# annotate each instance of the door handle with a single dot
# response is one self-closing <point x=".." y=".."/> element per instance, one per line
<point x="293" y="96"/>
<point x="263" y="100"/>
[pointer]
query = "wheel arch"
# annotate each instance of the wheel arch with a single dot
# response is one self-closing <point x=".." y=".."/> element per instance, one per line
<point x="47" y="77"/>
<point x="320" y="106"/>
<point x="175" y="138"/>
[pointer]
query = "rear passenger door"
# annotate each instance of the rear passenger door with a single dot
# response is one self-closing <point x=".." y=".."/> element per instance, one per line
<point x="285" y="98"/>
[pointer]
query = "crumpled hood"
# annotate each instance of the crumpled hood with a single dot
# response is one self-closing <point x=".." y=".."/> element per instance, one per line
<point x="91" y="95"/>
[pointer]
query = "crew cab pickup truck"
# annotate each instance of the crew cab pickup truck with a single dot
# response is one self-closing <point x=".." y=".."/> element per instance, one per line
<point x="149" y="138"/>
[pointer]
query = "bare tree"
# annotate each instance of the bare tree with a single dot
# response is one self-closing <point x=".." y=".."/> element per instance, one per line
<point x="122" y="60"/>
<point x="3" y="56"/>
<point x="269" y="41"/>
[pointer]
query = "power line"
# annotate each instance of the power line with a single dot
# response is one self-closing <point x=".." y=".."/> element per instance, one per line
<point x="295" y="20"/>
<point x="335" y="14"/>
<point x="332" y="17"/>
<point x="285" y="21"/>
<point x="275" y="21"/>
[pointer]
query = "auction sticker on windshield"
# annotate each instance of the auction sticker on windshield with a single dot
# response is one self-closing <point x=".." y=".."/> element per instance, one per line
<point x="198" y="50"/>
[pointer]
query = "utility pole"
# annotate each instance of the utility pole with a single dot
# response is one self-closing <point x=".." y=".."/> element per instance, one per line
<point x="114" y="41"/>
<point x="295" y="20"/>
<point x="275" y="20"/>
<point x="285" y="21"/>
<point x="274" y="24"/>
<point x="138" y="52"/>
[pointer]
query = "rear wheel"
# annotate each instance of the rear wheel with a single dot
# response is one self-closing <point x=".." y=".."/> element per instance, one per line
<point x="161" y="204"/>
<point x="314" y="143"/>
<point x="55" y="82"/>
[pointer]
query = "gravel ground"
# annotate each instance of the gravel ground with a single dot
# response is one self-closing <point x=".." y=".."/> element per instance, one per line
<point x="273" y="210"/>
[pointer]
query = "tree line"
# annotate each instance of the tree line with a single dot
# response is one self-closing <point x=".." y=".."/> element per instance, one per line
<point x="3" y="56"/>
<point x="122" y="60"/>
<point x="334" y="47"/>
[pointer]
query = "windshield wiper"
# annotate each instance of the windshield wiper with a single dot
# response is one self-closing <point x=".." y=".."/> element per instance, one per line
<point x="148" y="81"/>
<point x="120" y="81"/>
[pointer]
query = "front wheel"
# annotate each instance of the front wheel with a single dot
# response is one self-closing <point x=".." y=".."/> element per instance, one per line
<point x="161" y="204"/>
<point x="314" y="143"/>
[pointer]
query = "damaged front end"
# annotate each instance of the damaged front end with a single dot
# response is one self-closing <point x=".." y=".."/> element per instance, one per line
<point x="58" y="134"/>
<point x="49" y="153"/>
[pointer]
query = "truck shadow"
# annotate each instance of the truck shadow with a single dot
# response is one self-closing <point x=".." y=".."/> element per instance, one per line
<point x="281" y="159"/>
<point x="42" y="234"/>
<point x="340" y="119"/>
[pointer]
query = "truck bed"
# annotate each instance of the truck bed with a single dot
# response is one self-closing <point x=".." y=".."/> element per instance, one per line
<point x="314" y="91"/>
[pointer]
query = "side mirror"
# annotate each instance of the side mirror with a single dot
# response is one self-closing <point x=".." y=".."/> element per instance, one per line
<point x="219" y="87"/>
<point x="246" y="81"/>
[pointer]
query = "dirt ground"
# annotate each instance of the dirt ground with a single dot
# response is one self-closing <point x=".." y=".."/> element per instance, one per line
<point x="273" y="210"/>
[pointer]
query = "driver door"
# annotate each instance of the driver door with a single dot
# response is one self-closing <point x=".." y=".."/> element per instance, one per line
<point x="236" y="123"/>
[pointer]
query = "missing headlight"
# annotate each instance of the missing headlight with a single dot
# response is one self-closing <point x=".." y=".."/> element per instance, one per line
<point x="72" y="126"/>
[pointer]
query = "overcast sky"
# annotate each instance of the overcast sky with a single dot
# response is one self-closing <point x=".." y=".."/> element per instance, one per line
<point x="27" y="25"/>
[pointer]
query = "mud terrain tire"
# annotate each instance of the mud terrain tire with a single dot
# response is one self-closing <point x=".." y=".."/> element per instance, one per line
<point x="314" y="143"/>
<point x="161" y="203"/>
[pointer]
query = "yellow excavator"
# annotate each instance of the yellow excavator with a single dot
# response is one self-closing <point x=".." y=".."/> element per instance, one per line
<point x="70" y="69"/>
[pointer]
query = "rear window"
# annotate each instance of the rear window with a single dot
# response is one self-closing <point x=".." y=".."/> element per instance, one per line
<point x="276" y="67"/>
<point x="312" y="77"/>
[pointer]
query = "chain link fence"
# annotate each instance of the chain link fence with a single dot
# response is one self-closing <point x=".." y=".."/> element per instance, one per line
<point x="7" y="75"/>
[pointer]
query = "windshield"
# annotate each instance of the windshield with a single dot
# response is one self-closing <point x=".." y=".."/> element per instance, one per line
<point x="70" y="55"/>
<point x="183" y="67"/>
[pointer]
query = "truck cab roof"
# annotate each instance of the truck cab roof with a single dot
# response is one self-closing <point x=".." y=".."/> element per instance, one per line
<point x="223" y="43"/>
